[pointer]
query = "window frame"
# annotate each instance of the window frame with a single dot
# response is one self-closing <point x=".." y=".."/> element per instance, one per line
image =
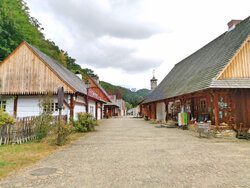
<point x="3" y="105"/>
<point x="56" y="107"/>
<point x="91" y="110"/>
<point x="203" y="105"/>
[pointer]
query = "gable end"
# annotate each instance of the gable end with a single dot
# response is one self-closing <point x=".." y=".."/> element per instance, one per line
<point x="239" y="65"/>
<point x="24" y="73"/>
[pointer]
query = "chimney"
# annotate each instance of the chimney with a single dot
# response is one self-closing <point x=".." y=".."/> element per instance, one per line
<point x="232" y="24"/>
<point x="79" y="75"/>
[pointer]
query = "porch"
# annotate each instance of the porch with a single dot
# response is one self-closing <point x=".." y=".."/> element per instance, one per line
<point x="225" y="108"/>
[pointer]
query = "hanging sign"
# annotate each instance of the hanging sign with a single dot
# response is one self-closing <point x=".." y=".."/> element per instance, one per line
<point x="60" y="97"/>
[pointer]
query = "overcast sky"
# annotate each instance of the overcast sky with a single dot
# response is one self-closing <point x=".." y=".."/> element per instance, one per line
<point x="124" y="40"/>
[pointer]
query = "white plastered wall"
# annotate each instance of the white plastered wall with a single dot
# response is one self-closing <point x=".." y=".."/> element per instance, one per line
<point x="79" y="108"/>
<point x="29" y="106"/>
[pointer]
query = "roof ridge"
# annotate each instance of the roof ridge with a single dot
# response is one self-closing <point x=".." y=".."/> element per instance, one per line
<point x="68" y="73"/>
<point x="99" y="85"/>
<point x="198" y="70"/>
<point x="51" y="60"/>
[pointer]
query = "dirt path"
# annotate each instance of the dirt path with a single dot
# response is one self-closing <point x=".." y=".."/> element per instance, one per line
<point x="134" y="153"/>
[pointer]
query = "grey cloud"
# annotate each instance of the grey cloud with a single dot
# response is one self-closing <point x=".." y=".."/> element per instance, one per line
<point x="106" y="55"/>
<point x="89" y="17"/>
<point x="89" y="23"/>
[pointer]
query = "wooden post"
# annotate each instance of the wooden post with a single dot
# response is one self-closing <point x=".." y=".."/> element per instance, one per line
<point x="101" y="110"/>
<point x="96" y="110"/>
<point x="154" y="111"/>
<point x="192" y="107"/>
<point x="59" y="138"/>
<point x="216" y="109"/>
<point x="150" y="110"/>
<point x="60" y="99"/>
<point x="166" y="110"/>
<point x="87" y="101"/>
<point x="15" y="106"/>
<point x="247" y="109"/>
<point x="71" y="106"/>
<point x="85" y="98"/>
<point x="111" y="111"/>
<point x="244" y="107"/>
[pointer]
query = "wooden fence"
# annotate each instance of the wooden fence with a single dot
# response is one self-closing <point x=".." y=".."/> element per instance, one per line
<point x="22" y="131"/>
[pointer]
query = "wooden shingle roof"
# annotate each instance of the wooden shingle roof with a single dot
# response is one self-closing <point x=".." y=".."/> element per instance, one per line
<point x="70" y="78"/>
<point x="101" y="88"/>
<point x="200" y="70"/>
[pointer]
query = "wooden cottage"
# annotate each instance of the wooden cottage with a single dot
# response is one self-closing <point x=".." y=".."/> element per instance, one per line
<point x="122" y="107"/>
<point x="27" y="74"/>
<point x="115" y="108"/>
<point x="141" y="109"/>
<point x="97" y="92"/>
<point x="211" y="84"/>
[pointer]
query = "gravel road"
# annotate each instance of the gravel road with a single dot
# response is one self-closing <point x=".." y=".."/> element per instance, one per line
<point x="127" y="152"/>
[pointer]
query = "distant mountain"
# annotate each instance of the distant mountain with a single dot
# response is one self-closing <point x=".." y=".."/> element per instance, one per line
<point x="143" y="93"/>
<point x="132" y="97"/>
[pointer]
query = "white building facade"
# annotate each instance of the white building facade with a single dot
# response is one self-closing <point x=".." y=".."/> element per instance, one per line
<point x="33" y="75"/>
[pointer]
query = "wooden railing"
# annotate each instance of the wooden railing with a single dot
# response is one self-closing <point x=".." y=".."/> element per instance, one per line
<point x="22" y="131"/>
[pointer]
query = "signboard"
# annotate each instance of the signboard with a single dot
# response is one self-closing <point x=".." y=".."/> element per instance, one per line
<point x="204" y="127"/>
<point x="60" y="97"/>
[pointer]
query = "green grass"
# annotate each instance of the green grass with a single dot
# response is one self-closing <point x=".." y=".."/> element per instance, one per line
<point x="4" y="163"/>
<point x="15" y="157"/>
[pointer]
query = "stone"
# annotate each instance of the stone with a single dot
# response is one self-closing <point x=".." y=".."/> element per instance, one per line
<point x="43" y="171"/>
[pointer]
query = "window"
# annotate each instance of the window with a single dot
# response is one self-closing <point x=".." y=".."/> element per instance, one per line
<point x="203" y="106"/>
<point x="53" y="107"/>
<point x="46" y="107"/>
<point x="91" y="110"/>
<point x="3" y="105"/>
<point x="56" y="107"/>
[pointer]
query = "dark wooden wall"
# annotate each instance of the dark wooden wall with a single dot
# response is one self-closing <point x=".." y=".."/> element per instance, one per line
<point x="228" y="106"/>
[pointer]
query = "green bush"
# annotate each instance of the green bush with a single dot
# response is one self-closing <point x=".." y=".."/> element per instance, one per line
<point x="43" y="123"/>
<point x="64" y="132"/>
<point x="5" y="119"/>
<point x="85" y="123"/>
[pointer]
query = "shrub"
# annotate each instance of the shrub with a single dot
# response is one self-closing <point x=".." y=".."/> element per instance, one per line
<point x="42" y="126"/>
<point x="43" y="123"/>
<point x="64" y="132"/>
<point x="85" y="123"/>
<point x="5" y="119"/>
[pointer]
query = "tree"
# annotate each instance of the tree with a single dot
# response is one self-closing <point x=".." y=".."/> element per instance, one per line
<point x="128" y="105"/>
<point x="16" y="26"/>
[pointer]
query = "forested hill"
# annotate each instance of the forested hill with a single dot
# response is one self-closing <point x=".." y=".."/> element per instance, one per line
<point x="16" y="26"/>
<point x="130" y="96"/>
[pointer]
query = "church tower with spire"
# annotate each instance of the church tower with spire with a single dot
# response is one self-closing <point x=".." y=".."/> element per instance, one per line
<point x="153" y="82"/>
